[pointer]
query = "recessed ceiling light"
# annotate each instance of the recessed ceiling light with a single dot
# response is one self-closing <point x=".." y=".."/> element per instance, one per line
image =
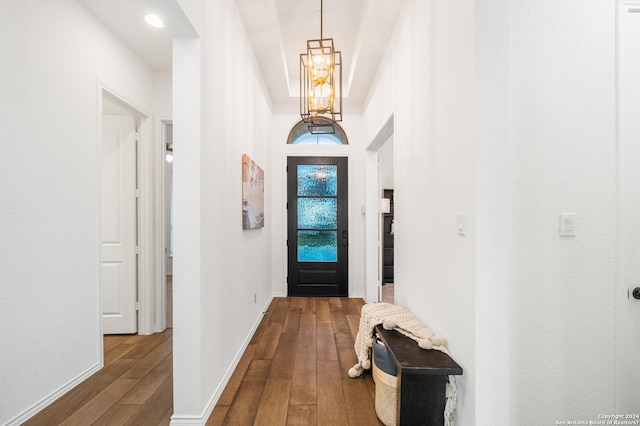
<point x="154" y="21"/>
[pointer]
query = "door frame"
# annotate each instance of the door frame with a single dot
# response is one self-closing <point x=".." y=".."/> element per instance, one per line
<point x="320" y="151"/>
<point x="160" y="280"/>
<point x="621" y="295"/>
<point x="372" y="204"/>
<point x="343" y="216"/>
<point x="150" y="307"/>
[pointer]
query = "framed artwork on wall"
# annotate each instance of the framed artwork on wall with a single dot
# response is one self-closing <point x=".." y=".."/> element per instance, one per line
<point x="252" y="194"/>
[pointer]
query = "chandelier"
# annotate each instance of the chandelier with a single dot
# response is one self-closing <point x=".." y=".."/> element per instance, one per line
<point x="321" y="84"/>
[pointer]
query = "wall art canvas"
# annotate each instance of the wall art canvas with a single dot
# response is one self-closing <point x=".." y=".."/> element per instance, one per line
<point x="252" y="194"/>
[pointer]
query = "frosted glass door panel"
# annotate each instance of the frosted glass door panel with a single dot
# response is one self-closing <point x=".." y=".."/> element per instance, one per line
<point x="317" y="180"/>
<point x="317" y="213"/>
<point x="317" y="246"/>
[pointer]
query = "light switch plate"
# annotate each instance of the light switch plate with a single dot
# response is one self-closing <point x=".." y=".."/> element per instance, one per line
<point x="462" y="223"/>
<point x="567" y="224"/>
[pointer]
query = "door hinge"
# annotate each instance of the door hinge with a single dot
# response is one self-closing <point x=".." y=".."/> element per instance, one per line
<point x="287" y="243"/>
<point x="137" y="193"/>
<point x="137" y="306"/>
<point x="137" y="249"/>
<point x="287" y="204"/>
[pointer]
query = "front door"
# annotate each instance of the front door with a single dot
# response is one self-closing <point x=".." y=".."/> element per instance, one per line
<point x="119" y="259"/>
<point x="630" y="135"/>
<point x="318" y="234"/>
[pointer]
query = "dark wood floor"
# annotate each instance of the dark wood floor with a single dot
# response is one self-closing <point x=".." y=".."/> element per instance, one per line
<point x="294" y="372"/>
<point x="135" y="387"/>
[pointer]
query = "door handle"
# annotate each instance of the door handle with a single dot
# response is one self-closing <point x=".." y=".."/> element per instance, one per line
<point x="636" y="293"/>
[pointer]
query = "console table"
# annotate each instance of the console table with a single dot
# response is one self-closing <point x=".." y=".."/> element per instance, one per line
<point x="422" y="378"/>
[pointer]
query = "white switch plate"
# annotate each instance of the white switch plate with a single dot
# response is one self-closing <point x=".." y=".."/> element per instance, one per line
<point x="567" y="224"/>
<point x="462" y="224"/>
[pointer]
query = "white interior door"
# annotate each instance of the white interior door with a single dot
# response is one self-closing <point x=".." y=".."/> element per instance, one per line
<point x="119" y="259"/>
<point x="630" y="134"/>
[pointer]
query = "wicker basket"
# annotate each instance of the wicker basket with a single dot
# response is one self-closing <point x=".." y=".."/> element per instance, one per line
<point x="386" y="394"/>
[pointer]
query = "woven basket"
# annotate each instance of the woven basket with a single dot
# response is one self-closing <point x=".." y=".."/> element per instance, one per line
<point x="386" y="396"/>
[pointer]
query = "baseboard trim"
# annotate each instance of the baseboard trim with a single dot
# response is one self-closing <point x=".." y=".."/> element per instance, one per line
<point x="48" y="400"/>
<point x="186" y="420"/>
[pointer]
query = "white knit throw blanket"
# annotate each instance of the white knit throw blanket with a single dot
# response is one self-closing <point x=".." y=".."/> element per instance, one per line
<point x="397" y="318"/>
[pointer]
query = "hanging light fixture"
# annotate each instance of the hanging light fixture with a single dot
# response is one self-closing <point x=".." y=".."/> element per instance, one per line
<point x="321" y="84"/>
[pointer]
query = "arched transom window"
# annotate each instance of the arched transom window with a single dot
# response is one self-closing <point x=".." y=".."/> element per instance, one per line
<point x="300" y="135"/>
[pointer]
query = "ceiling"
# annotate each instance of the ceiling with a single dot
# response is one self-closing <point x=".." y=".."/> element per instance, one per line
<point x="125" y="18"/>
<point x="278" y="31"/>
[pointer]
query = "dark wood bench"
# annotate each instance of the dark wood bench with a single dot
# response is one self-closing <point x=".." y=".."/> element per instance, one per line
<point x="422" y="378"/>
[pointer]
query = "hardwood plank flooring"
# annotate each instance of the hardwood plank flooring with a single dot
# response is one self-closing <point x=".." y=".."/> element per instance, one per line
<point x="294" y="372"/>
<point x="133" y="388"/>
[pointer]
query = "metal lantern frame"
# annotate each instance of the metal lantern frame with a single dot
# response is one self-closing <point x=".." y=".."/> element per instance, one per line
<point x="325" y="76"/>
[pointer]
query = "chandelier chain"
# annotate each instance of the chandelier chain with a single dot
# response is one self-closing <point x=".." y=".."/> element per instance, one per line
<point x="321" y="13"/>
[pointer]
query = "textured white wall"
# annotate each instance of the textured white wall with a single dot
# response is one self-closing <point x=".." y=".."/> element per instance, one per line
<point x="387" y="161"/>
<point x="162" y="99"/>
<point x="236" y="263"/>
<point x="532" y="89"/>
<point x="218" y="266"/>
<point x="428" y="84"/>
<point x="53" y="53"/>
<point x="492" y="214"/>
<point x="187" y="260"/>
<point x="562" y="140"/>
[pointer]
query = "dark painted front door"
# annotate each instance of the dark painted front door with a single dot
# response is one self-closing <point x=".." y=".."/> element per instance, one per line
<point x="318" y="232"/>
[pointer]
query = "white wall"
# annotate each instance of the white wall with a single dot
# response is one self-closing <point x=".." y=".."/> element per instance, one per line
<point x="53" y="54"/>
<point x="428" y="84"/>
<point x="187" y="276"/>
<point x="220" y="112"/>
<point x="519" y="126"/>
<point x="162" y="99"/>
<point x="493" y="391"/>
<point x="387" y="161"/>
<point x="561" y="148"/>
